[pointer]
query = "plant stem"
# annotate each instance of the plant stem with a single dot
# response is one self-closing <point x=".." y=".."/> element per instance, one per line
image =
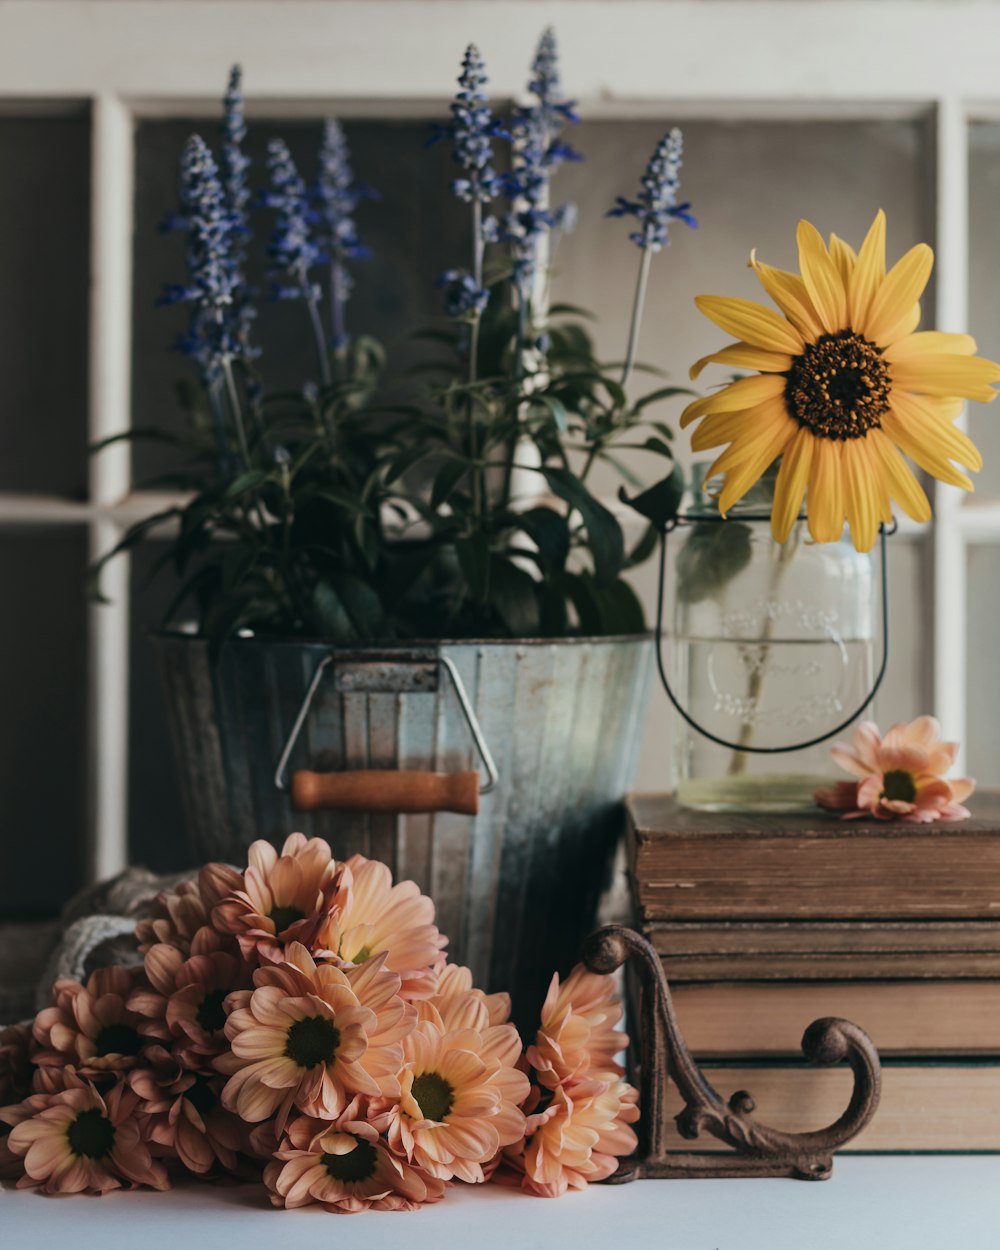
<point x="478" y="477"/>
<point x="234" y="403"/>
<point x="637" y="305"/>
<point x="317" y="329"/>
<point x="738" y="761"/>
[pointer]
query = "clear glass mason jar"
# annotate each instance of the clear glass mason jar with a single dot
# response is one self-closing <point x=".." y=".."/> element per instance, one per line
<point x="771" y="644"/>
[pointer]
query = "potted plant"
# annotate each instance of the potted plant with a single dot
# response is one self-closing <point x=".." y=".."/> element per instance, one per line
<point x="397" y="575"/>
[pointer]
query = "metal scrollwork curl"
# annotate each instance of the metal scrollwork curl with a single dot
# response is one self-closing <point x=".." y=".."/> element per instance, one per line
<point x="758" y="1149"/>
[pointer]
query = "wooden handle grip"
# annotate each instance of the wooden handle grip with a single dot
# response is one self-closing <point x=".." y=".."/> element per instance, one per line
<point x="378" y="790"/>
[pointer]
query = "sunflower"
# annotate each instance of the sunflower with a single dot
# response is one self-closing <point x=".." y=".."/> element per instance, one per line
<point x="843" y="385"/>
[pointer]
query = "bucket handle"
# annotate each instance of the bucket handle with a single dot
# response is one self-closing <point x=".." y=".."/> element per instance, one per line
<point x="389" y="790"/>
<point x="736" y="746"/>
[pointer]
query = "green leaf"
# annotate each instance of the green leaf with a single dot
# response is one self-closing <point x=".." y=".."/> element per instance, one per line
<point x="659" y="446"/>
<point x="549" y="532"/>
<point x="474" y="560"/>
<point x="446" y="479"/>
<point x="571" y="310"/>
<point x="331" y="614"/>
<point x="555" y="408"/>
<point x="604" y="534"/>
<point x="644" y="548"/>
<point x="611" y="609"/>
<point x="514" y="595"/>
<point x="245" y="484"/>
<point x="660" y="502"/>
<point x="664" y="392"/>
<point x="714" y="553"/>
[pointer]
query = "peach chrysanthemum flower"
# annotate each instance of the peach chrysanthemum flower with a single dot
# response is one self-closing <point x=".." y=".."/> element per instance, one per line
<point x="178" y="914"/>
<point x="91" y="1026"/>
<point x="181" y="1114"/>
<point x="83" y="1141"/>
<point x="312" y="1036"/>
<point x="578" y="1138"/>
<point x="371" y="916"/>
<point x="460" y="1097"/>
<point x="578" y="1037"/>
<point x="345" y="1166"/>
<point x="281" y="899"/>
<point x="454" y="991"/>
<point x="183" y="1003"/>
<point x="899" y="777"/>
<point x="15" y="1063"/>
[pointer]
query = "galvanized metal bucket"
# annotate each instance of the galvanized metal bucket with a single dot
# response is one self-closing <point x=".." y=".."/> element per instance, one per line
<point x="516" y="886"/>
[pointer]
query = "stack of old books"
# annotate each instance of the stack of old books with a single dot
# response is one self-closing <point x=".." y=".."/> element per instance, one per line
<point x="766" y="923"/>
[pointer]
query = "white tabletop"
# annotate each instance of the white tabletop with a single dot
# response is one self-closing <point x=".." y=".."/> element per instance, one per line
<point x="948" y="1202"/>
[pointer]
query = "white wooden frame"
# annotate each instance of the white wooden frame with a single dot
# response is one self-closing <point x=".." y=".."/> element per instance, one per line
<point x="674" y="59"/>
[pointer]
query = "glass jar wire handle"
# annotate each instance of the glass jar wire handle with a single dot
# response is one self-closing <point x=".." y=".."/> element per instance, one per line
<point x="736" y="746"/>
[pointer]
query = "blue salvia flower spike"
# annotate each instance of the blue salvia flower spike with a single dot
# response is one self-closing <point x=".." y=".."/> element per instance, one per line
<point x="338" y="195"/>
<point x="656" y="205"/>
<point x="233" y="167"/>
<point x="472" y="127"/>
<point x="292" y="249"/>
<point x="235" y="163"/>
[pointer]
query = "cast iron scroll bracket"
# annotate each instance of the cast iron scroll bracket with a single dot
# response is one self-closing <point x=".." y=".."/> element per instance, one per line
<point x="758" y="1150"/>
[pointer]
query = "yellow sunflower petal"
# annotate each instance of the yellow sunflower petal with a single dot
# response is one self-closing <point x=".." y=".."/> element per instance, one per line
<point x="868" y="272"/>
<point x="931" y="341"/>
<point x="744" y="393"/>
<point x="822" y="278"/>
<point x="948" y="376"/>
<point x="826" y="491"/>
<point x="844" y="257"/>
<point x="744" y="356"/>
<point x="862" y="493"/>
<point x="892" y="304"/>
<point x="789" y="292"/>
<point x="790" y="486"/>
<point x="726" y="427"/>
<point x="753" y="323"/>
<point x="747" y="459"/>
<point x="898" y="478"/>
<point x="930" y="439"/>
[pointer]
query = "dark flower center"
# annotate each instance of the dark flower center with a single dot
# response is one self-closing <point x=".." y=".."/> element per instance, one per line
<point x="839" y="387"/>
<point x="899" y="786"/>
<point x="91" y="1134"/>
<point x="432" y="1094"/>
<point x="357" y="1165"/>
<point x="211" y="1015"/>
<point x="201" y="1095"/>
<point x="118" y="1039"/>
<point x="284" y="917"/>
<point x="311" y="1041"/>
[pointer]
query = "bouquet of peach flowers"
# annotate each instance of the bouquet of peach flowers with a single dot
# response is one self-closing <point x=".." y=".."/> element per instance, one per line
<point x="299" y="1021"/>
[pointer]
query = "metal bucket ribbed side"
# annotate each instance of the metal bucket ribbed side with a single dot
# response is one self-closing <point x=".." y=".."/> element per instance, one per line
<point x="515" y="887"/>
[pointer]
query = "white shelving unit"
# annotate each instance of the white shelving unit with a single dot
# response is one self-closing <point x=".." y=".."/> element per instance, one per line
<point x="632" y="59"/>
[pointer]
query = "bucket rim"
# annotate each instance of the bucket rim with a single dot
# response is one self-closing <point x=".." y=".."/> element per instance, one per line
<point x="178" y="633"/>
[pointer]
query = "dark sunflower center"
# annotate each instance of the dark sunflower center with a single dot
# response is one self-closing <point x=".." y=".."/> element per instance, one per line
<point x="285" y="917"/>
<point x="311" y="1041"/>
<point x="201" y="1096"/>
<point x="432" y="1094"/>
<point x="91" y="1134"/>
<point x="210" y="1014"/>
<point x="357" y="1165"/>
<point x="839" y="387"/>
<point x="899" y="785"/>
<point x="118" y="1039"/>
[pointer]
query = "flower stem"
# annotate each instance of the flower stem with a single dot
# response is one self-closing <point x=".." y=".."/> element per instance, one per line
<point x="317" y="329"/>
<point x="234" y="403"/>
<point x="478" y="248"/>
<point x="637" y="306"/>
